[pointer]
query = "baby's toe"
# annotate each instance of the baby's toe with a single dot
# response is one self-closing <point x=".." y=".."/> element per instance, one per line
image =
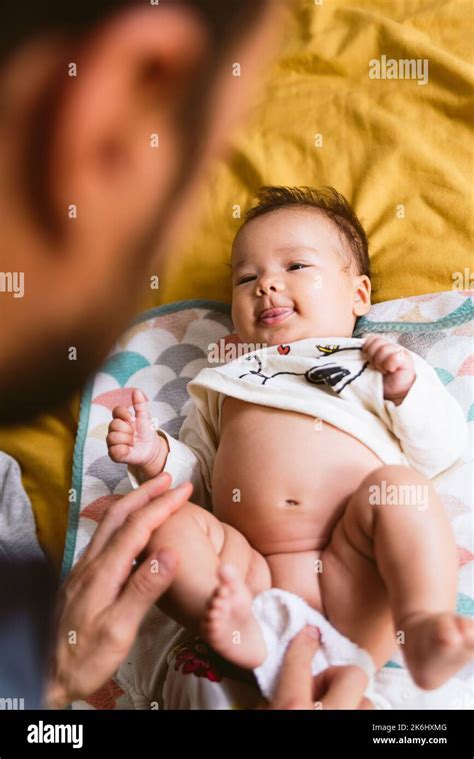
<point x="222" y="591"/>
<point x="227" y="573"/>
<point x="220" y="603"/>
<point x="212" y="615"/>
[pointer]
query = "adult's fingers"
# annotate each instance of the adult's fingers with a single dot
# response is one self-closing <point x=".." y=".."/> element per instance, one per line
<point x="145" y="586"/>
<point x="338" y="694"/>
<point x="117" y="513"/>
<point x="295" y="685"/>
<point x="106" y="576"/>
<point x="341" y="687"/>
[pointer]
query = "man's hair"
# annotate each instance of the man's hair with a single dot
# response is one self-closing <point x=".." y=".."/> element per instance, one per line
<point x="328" y="202"/>
<point x="226" y="19"/>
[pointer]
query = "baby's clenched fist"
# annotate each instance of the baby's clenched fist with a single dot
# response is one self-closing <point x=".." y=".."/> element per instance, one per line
<point x="394" y="363"/>
<point x="134" y="441"/>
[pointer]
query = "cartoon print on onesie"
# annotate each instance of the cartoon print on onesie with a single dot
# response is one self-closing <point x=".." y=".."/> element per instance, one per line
<point x="330" y="375"/>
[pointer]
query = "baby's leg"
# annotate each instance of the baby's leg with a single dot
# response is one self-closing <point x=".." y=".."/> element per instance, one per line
<point x="203" y="543"/>
<point x="413" y="549"/>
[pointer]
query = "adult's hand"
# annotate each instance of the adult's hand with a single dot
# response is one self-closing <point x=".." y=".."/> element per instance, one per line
<point x="334" y="688"/>
<point x="296" y="683"/>
<point x="105" y="598"/>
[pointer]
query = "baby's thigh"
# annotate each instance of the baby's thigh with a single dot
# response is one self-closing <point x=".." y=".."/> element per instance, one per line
<point x="354" y="597"/>
<point x="202" y="542"/>
<point x="253" y="567"/>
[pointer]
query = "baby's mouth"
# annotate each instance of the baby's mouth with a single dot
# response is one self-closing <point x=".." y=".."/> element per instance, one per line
<point x="275" y="315"/>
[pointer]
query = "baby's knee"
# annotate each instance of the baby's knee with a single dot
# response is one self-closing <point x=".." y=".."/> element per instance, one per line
<point x="393" y="485"/>
<point x="393" y="474"/>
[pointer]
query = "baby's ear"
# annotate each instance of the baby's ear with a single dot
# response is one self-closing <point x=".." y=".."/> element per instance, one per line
<point x="362" y="290"/>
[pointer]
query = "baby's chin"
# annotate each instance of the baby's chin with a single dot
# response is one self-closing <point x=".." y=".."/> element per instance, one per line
<point x="289" y="331"/>
<point x="268" y="337"/>
<point x="282" y="336"/>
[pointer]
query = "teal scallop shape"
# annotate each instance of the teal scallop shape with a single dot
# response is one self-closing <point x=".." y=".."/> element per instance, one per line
<point x="470" y="413"/>
<point x="465" y="605"/>
<point x="444" y="376"/>
<point x="392" y="665"/>
<point x="122" y="366"/>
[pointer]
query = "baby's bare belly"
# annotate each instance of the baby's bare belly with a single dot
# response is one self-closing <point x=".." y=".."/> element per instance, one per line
<point x="283" y="481"/>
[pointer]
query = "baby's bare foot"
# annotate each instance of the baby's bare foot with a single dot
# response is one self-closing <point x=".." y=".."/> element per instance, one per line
<point x="229" y="625"/>
<point x="437" y="646"/>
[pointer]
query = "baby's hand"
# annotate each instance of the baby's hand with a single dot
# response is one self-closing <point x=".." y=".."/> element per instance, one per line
<point x="395" y="364"/>
<point x="134" y="441"/>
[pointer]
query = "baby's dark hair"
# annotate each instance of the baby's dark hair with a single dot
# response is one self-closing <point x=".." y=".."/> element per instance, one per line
<point x="326" y="200"/>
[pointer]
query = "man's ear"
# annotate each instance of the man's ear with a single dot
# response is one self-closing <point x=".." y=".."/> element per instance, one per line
<point x="114" y="142"/>
<point x="362" y="290"/>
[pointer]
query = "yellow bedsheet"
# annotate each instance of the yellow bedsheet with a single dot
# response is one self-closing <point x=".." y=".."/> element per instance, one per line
<point x="400" y="150"/>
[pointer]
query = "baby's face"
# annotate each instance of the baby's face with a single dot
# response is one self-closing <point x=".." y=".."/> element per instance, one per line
<point x="294" y="259"/>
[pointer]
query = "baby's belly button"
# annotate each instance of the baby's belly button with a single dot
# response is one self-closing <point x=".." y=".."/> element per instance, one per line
<point x="277" y="484"/>
<point x="277" y="519"/>
<point x="267" y="496"/>
<point x="289" y="476"/>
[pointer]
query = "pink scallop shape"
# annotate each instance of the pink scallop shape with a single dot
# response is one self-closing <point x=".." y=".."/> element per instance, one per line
<point x="96" y="509"/>
<point x="106" y="697"/>
<point x="467" y="366"/>
<point x="119" y="397"/>
<point x="464" y="556"/>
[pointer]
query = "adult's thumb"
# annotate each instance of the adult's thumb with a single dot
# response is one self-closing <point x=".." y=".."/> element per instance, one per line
<point x="146" y="585"/>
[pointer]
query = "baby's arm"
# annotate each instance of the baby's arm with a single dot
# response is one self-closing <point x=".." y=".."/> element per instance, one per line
<point x="423" y="415"/>
<point x="147" y="451"/>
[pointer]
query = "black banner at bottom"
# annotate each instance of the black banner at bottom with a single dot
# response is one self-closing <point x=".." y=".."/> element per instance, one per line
<point x="369" y="733"/>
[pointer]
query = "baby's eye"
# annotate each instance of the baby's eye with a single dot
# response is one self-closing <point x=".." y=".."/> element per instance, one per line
<point x="303" y="266"/>
<point x="245" y="279"/>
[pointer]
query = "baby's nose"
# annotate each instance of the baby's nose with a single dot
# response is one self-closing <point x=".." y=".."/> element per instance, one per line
<point x="269" y="284"/>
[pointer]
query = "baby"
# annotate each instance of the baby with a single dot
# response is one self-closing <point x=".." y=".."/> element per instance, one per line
<point x="315" y="451"/>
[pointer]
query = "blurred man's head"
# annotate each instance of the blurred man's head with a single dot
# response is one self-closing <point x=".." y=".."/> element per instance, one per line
<point x="109" y="112"/>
